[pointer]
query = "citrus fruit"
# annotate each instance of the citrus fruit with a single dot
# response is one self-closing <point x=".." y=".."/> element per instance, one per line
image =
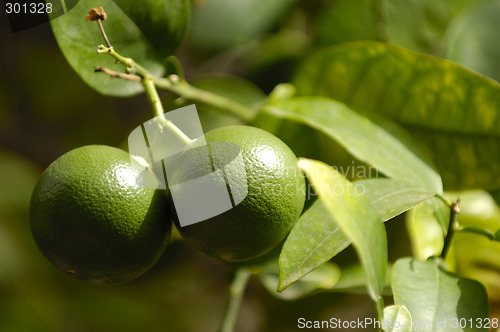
<point x="273" y="203"/>
<point x="91" y="218"/>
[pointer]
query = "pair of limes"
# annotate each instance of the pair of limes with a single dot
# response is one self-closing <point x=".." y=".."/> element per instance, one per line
<point x="91" y="218"/>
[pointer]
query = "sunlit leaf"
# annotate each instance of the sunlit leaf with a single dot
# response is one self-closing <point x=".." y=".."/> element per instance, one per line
<point x="452" y="111"/>
<point x="373" y="140"/>
<point x="396" y="318"/>
<point x="436" y="298"/>
<point x="314" y="240"/>
<point x="392" y="197"/>
<point x="316" y="237"/>
<point x="356" y="217"/>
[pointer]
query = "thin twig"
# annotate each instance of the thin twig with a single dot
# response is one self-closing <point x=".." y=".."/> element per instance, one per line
<point x="115" y="74"/>
<point x="99" y="23"/>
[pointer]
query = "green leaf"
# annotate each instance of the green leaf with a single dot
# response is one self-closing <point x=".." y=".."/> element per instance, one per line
<point x="469" y="39"/>
<point x="370" y="139"/>
<point x="447" y="108"/>
<point x="319" y="279"/>
<point x="145" y="31"/>
<point x="356" y="217"/>
<point x="437" y="299"/>
<point x="425" y="231"/>
<point x="219" y="24"/>
<point x="314" y="240"/>
<point x="392" y="197"/>
<point x="397" y="318"/>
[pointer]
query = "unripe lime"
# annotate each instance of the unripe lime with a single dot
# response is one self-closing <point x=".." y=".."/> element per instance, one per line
<point x="91" y="218"/>
<point x="274" y="202"/>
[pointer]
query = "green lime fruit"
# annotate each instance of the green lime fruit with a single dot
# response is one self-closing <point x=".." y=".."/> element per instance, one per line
<point x="92" y="218"/>
<point x="275" y="194"/>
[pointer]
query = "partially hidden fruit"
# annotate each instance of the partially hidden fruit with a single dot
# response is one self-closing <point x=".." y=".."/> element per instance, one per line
<point x="92" y="219"/>
<point x="275" y="199"/>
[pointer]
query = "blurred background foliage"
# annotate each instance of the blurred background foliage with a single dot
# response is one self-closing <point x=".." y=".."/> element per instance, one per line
<point x="46" y="110"/>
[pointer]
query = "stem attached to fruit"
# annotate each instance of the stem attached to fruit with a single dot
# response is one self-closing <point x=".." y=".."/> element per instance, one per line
<point x="154" y="100"/>
<point x="236" y="292"/>
<point x="182" y="88"/>
<point x="454" y="211"/>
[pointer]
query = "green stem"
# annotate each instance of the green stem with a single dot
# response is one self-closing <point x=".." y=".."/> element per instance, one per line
<point x="236" y="292"/>
<point x="182" y="88"/>
<point x="454" y="211"/>
<point x="154" y="100"/>
<point x="476" y="230"/>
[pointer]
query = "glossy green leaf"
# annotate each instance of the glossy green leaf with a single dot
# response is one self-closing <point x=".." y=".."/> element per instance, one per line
<point x="396" y="318"/>
<point x="449" y="109"/>
<point x="469" y="40"/>
<point x="425" y="231"/>
<point x="314" y="240"/>
<point x="392" y="197"/>
<point x="145" y="31"/>
<point x="319" y="279"/>
<point x="373" y="140"/>
<point x="219" y="24"/>
<point x="436" y="299"/>
<point x="356" y="217"/>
